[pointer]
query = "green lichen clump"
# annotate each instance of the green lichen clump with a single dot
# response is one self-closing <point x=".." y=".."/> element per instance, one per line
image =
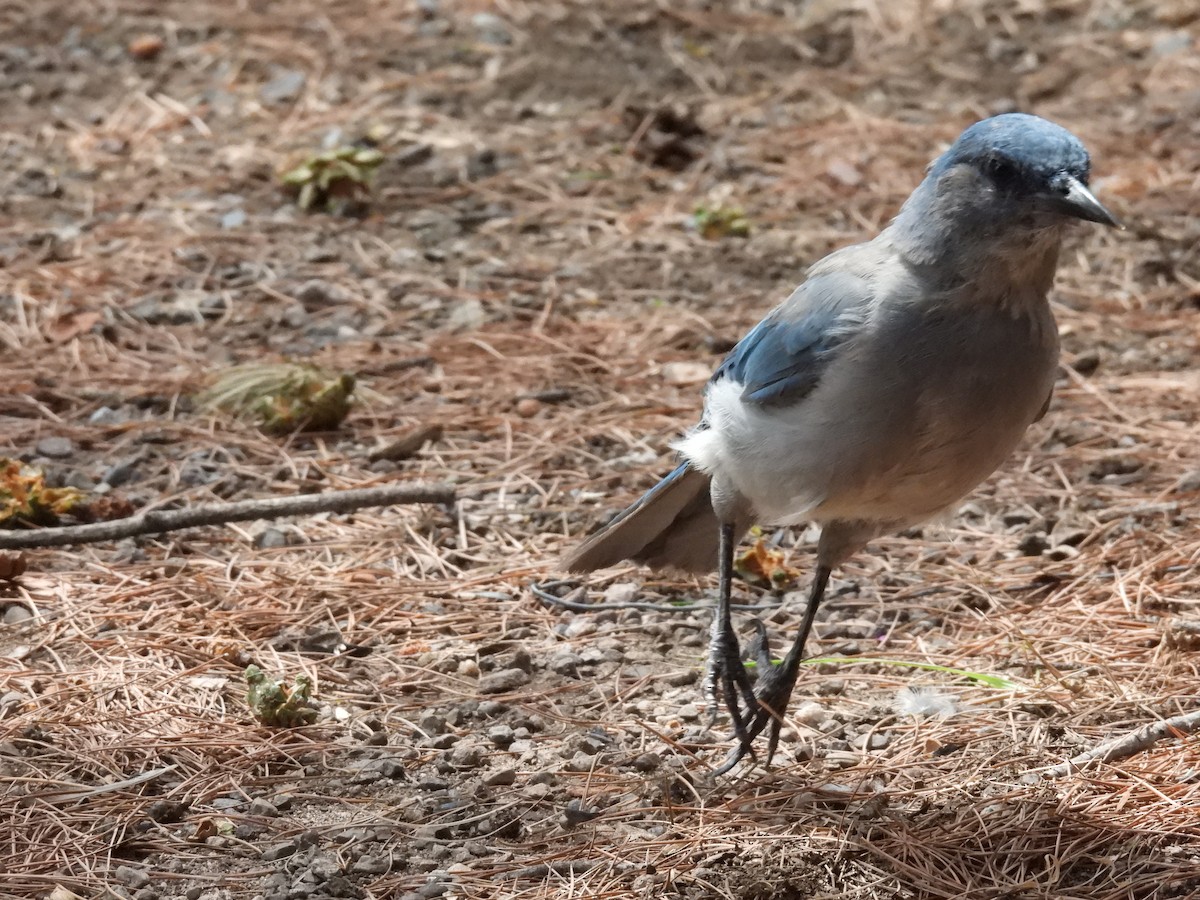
<point x="278" y="706"/>
<point x="281" y="398"/>
<point x="338" y="177"/>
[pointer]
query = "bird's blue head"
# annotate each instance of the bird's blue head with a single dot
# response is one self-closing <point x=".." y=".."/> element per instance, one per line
<point x="1024" y="164"/>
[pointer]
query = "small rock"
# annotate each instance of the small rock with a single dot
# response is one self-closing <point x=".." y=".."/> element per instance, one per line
<point x="284" y="87"/>
<point x="491" y="29"/>
<point x="581" y="626"/>
<point x="261" y="807"/>
<point x="235" y="218"/>
<point x="842" y="759"/>
<point x="412" y="155"/>
<point x="576" y="814"/>
<point x="688" y="712"/>
<point x="875" y="740"/>
<point x="378" y="769"/>
<point x="647" y="762"/>
<point x="527" y="407"/>
<point x="503" y="681"/>
<point x="432" y="725"/>
<point x="166" y="812"/>
<point x="465" y="756"/>
<point x="1071" y="536"/>
<point x="280" y="851"/>
<point x="283" y="801"/>
<point x="1062" y="552"/>
<point x="620" y="592"/>
<point x="565" y="663"/>
<point x="270" y="539"/>
<point x="316" y="293"/>
<point x="146" y="893"/>
<point x="55" y="447"/>
<point x="502" y="778"/>
<point x="684" y="373"/>
<point x="501" y="736"/>
<point x="810" y="714"/>
<point x="683" y="678"/>
<point x="434" y="889"/>
<point x="370" y="864"/>
<point x="1034" y="544"/>
<point x="145" y="47"/>
<point x="122" y="472"/>
<point x="1087" y="362"/>
<point x="467" y="315"/>
<point x="134" y="878"/>
<point x="16" y="614"/>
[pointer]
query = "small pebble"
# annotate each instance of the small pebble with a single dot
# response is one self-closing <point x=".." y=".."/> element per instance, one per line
<point x="810" y="713"/>
<point x="55" y="447"/>
<point x="284" y="87"/>
<point x="503" y="681"/>
<point x="370" y="864"/>
<point x="647" y="762"/>
<point x="133" y="878"/>
<point x="501" y="736"/>
<point x="501" y="778"/>
<point x="280" y="851"/>
<point x="16" y="614"/>
<point x="261" y="807"/>
<point x="145" y="47"/>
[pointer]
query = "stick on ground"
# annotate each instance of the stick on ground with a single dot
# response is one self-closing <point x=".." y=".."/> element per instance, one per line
<point x="155" y="521"/>
<point x="1128" y="744"/>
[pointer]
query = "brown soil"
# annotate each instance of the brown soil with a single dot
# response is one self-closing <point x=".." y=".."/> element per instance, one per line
<point x="527" y="278"/>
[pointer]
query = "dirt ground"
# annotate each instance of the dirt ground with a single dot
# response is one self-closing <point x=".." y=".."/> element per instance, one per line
<point x="529" y="278"/>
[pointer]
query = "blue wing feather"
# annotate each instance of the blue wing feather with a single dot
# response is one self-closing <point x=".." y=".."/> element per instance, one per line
<point x="781" y="359"/>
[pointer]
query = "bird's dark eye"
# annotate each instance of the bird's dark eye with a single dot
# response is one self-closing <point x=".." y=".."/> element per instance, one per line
<point x="1005" y="174"/>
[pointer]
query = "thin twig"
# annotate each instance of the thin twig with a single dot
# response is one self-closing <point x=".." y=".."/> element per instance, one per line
<point x="155" y="521"/>
<point x="1128" y="744"/>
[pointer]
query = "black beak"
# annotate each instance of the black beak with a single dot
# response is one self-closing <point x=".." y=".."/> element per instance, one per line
<point x="1079" y="203"/>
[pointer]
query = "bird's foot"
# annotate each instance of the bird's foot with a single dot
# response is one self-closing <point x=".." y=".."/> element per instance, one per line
<point x="726" y="675"/>
<point x="766" y="704"/>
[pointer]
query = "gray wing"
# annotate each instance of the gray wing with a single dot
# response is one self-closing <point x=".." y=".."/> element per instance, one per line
<point x="781" y="360"/>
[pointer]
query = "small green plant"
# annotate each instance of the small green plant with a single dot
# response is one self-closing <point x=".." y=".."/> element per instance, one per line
<point x="720" y="221"/>
<point x="275" y="705"/>
<point x="281" y="398"/>
<point x="334" y="178"/>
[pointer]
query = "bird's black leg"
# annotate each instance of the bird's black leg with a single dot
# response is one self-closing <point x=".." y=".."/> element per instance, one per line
<point x="775" y="682"/>
<point x="724" y="653"/>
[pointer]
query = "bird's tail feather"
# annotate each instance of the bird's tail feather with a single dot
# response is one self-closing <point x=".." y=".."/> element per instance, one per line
<point x="672" y="526"/>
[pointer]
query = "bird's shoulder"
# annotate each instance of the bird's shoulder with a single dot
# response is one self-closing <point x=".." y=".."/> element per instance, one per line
<point x="782" y="358"/>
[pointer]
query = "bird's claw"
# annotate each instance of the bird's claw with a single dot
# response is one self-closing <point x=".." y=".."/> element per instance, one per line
<point x="764" y="701"/>
<point x="727" y="676"/>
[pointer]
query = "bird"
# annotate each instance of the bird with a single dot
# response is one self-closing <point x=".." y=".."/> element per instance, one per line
<point x="900" y="374"/>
